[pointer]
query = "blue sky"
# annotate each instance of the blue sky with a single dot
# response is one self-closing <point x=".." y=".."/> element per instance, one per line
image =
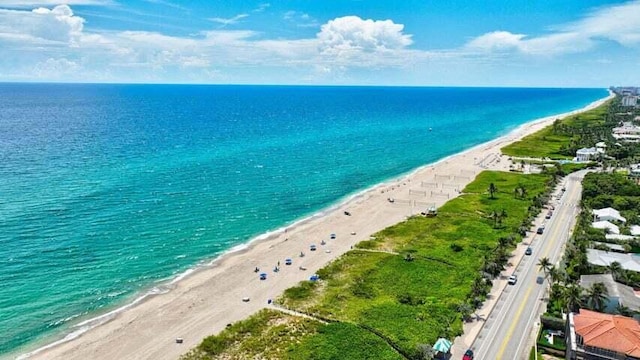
<point x="569" y="43"/>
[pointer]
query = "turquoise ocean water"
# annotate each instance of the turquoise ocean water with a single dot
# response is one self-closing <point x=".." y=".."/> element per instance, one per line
<point x="107" y="190"/>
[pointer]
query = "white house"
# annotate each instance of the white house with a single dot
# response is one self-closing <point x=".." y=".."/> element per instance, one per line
<point x="613" y="229"/>
<point x="587" y="154"/>
<point x="635" y="230"/>
<point x="627" y="132"/>
<point x="634" y="171"/>
<point x="619" y="237"/>
<point x="605" y="258"/>
<point x="608" y="214"/>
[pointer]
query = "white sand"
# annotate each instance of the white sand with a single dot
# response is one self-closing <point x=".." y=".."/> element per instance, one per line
<point x="204" y="302"/>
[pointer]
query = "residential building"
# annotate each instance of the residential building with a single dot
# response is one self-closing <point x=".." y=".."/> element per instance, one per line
<point x="619" y="237"/>
<point x="607" y="226"/>
<point x="627" y="132"/>
<point x="596" y="336"/>
<point x="634" y="171"/>
<point x="635" y="230"/>
<point x="587" y="154"/>
<point x="629" y="262"/>
<point x="630" y="100"/>
<point x="618" y="294"/>
<point x="608" y="214"/>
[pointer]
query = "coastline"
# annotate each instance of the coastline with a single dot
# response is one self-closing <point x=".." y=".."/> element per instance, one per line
<point x="202" y="300"/>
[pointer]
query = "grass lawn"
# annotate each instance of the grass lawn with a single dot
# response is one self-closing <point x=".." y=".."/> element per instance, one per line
<point x="547" y="144"/>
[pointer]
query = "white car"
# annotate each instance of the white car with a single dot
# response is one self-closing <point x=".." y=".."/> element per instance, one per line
<point x="513" y="280"/>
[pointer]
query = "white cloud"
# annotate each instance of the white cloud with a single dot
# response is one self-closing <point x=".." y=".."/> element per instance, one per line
<point x="229" y="21"/>
<point x="55" y="69"/>
<point x="261" y="7"/>
<point x="31" y="3"/>
<point x="353" y="33"/>
<point x="42" y="25"/>
<point x="619" y="23"/>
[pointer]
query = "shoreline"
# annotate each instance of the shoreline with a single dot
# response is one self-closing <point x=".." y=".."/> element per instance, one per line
<point x="152" y="315"/>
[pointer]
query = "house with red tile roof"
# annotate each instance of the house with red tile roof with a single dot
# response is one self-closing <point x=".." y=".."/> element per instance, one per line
<point x="594" y="336"/>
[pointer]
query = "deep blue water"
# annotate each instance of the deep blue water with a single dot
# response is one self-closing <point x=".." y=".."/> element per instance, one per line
<point x="106" y="189"/>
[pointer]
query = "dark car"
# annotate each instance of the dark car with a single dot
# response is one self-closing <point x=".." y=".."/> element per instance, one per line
<point x="468" y="355"/>
<point x="540" y="230"/>
<point x="529" y="251"/>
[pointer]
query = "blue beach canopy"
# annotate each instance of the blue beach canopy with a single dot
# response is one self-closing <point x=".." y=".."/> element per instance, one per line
<point x="442" y="345"/>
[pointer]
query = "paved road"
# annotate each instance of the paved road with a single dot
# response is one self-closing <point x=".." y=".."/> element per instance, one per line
<point x="507" y="330"/>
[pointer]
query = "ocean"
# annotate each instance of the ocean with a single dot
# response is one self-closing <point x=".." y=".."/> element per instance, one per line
<point x="109" y="191"/>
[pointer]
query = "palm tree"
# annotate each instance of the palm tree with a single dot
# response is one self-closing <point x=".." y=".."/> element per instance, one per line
<point x="494" y="215"/>
<point x="555" y="275"/>
<point x="544" y="264"/>
<point x="493" y="189"/>
<point x="503" y="215"/>
<point x="615" y="269"/>
<point x="597" y="296"/>
<point x="572" y="295"/>
<point x="465" y="310"/>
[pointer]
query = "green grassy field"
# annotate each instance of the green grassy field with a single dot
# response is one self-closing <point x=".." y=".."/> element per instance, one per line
<point x="375" y="294"/>
<point x="548" y="142"/>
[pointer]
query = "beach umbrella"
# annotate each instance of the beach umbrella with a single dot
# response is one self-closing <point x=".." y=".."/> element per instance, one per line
<point x="442" y="345"/>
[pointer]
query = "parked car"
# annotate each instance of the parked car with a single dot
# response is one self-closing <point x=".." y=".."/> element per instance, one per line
<point x="529" y="251"/>
<point x="540" y="230"/>
<point x="549" y="214"/>
<point x="513" y="279"/>
<point x="468" y="355"/>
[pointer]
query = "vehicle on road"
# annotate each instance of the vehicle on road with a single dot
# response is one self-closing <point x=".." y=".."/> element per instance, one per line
<point x="540" y="230"/>
<point x="539" y="280"/>
<point x="513" y="279"/>
<point x="529" y="251"/>
<point x="468" y="355"/>
<point x="549" y="214"/>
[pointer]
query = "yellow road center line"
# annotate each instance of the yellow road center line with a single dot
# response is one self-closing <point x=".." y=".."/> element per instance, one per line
<point x="503" y="346"/>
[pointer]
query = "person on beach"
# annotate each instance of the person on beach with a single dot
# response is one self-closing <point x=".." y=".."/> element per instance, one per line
<point x="256" y="269"/>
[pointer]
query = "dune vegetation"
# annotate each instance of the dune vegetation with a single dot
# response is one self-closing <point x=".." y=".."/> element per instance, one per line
<point x="394" y="295"/>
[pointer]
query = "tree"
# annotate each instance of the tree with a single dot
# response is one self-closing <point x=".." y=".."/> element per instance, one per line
<point x="572" y="295"/>
<point x="465" y="310"/>
<point x="544" y="264"/>
<point x="615" y="269"/>
<point x="597" y="296"/>
<point x="493" y="189"/>
<point x="425" y="352"/>
<point x="555" y="275"/>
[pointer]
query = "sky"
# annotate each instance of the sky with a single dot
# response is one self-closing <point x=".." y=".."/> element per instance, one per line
<point x="542" y="43"/>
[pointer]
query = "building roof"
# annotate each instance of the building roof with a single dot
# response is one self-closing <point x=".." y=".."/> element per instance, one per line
<point x="618" y="237"/>
<point x="614" y="229"/>
<point x="609" y="213"/>
<point x="612" y="332"/>
<point x="635" y="230"/>
<point x="605" y="258"/>
<point x="625" y="294"/>
<point x="589" y="151"/>
<point x="614" y="247"/>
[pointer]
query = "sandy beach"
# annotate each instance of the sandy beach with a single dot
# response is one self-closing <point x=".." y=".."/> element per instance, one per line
<point x="205" y="301"/>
